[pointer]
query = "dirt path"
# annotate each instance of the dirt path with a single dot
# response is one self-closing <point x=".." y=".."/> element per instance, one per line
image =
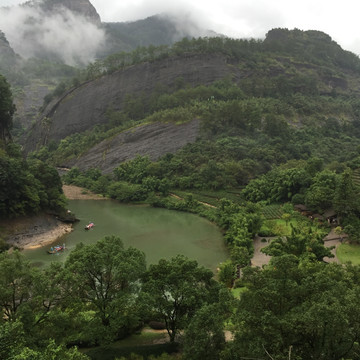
<point x="77" y="193"/>
<point x="259" y="258"/>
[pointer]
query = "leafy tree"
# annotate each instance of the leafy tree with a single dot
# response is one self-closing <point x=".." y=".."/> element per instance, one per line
<point x="51" y="352"/>
<point x="345" y="202"/>
<point x="204" y="337"/>
<point x="299" y="310"/>
<point x="303" y="243"/>
<point x="106" y="276"/>
<point x="16" y="280"/>
<point x="320" y="195"/>
<point x="7" y="109"/>
<point x="176" y="289"/>
<point x="227" y="273"/>
<point x="11" y="339"/>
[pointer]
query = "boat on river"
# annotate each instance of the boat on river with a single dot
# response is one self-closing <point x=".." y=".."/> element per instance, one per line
<point x="56" y="249"/>
<point x="89" y="226"/>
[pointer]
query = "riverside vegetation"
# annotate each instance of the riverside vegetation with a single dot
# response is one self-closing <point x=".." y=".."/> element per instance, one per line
<point x="288" y="133"/>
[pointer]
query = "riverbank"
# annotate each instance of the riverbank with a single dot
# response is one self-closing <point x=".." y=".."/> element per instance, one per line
<point x="77" y="193"/>
<point x="36" y="231"/>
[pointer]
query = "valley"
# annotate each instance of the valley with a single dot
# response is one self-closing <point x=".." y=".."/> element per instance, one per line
<point x="219" y="178"/>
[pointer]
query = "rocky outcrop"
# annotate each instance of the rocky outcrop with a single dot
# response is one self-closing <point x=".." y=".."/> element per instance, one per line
<point x="82" y="7"/>
<point x="153" y="140"/>
<point x="8" y="57"/>
<point x="86" y="106"/>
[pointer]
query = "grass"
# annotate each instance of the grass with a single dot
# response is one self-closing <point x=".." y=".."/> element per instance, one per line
<point x="279" y="227"/>
<point x="211" y="197"/>
<point x="144" y="343"/>
<point x="141" y="339"/>
<point x="238" y="291"/>
<point x="272" y="212"/>
<point x="349" y="253"/>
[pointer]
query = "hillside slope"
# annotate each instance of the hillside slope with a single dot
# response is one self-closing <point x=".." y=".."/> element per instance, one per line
<point x="236" y="88"/>
<point x="86" y="106"/>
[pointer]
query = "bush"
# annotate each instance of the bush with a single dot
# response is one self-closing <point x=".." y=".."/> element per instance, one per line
<point x="109" y="353"/>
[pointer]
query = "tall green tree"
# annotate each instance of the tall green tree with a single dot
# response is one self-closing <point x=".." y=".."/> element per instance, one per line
<point x="176" y="289"/>
<point x="106" y="277"/>
<point x="298" y="310"/>
<point x="345" y="199"/>
<point x="16" y="280"/>
<point x="303" y="242"/>
<point x="204" y="337"/>
<point x="7" y="109"/>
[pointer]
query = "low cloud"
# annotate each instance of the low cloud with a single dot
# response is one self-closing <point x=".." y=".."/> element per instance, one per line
<point x="63" y="35"/>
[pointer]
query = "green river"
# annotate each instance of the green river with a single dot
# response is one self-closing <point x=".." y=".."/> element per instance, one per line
<point x="160" y="233"/>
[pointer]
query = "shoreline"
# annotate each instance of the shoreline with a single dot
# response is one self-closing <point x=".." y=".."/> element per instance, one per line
<point x="29" y="241"/>
<point x="41" y="230"/>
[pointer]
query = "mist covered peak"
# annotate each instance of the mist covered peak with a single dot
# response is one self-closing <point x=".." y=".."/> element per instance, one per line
<point x="79" y="7"/>
<point x="65" y="30"/>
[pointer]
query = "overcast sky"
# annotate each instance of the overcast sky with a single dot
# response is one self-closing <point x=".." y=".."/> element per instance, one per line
<point x="246" y="18"/>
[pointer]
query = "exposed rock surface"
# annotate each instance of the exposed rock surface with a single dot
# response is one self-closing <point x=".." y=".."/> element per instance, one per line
<point x="29" y="101"/>
<point x="86" y="106"/>
<point x="34" y="231"/>
<point x="153" y="140"/>
<point x="82" y="7"/>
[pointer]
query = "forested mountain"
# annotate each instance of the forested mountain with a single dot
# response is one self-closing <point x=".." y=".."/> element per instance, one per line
<point x="236" y="131"/>
<point x="155" y="30"/>
<point x="291" y="82"/>
<point x="34" y="65"/>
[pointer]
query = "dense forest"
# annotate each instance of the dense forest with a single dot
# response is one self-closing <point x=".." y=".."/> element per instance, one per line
<point x="285" y="134"/>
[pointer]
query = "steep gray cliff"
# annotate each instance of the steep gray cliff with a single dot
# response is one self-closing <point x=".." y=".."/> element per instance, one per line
<point x="86" y="106"/>
<point x="152" y="140"/>
<point x="82" y="7"/>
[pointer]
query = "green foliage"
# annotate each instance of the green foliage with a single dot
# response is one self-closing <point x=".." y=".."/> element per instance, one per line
<point x="28" y="187"/>
<point x="176" y="288"/>
<point x="106" y="276"/>
<point x="150" y="352"/>
<point x="279" y="185"/>
<point x="320" y="195"/>
<point x="227" y="273"/>
<point x="204" y="337"/>
<point x="272" y="211"/>
<point x="7" y="109"/>
<point x="304" y="243"/>
<point x="304" y="309"/>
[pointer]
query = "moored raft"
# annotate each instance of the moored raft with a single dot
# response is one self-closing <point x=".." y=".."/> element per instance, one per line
<point x="89" y="226"/>
<point x="56" y="249"/>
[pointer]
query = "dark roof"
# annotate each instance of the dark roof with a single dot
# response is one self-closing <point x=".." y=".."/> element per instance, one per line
<point x="329" y="213"/>
<point x="300" y="207"/>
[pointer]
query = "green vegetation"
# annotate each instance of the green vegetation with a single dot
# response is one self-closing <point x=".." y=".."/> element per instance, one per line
<point x="27" y="187"/>
<point x="348" y="253"/>
<point x="103" y="293"/>
<point x="286" y="133"/>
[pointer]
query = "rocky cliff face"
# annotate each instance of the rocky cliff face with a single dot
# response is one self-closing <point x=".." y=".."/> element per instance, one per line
<point x="7" y="54"/>
<point x="86" y="106"/>
<point x="152" y="140"/>
<point x="82" y="7"/>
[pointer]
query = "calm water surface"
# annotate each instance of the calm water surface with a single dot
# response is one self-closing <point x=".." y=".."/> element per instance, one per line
<point x="160" y="233"/>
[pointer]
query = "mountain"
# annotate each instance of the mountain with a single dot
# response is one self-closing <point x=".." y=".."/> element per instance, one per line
<point x="79" y="7"/>
<point x="306" y="72"/>
<point x="8" y="58"/>
<point x="39" y="63"/>
<point x="155" y="30"/>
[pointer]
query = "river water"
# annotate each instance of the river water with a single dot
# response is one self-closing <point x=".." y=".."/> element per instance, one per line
<point x="160" y="233"/>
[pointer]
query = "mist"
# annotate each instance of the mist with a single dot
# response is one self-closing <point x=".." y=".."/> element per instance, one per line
<point x="63" y="35"/>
